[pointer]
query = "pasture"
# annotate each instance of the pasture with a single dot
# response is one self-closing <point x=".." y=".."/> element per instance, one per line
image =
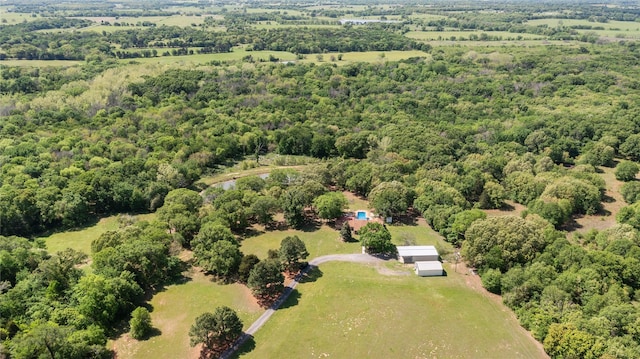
<point x="173" y="311"/>
<point x="618" y="29"/>
<point x="351" y="310"/>
<point x="459" y="35"/>
<point x="80" y="239"/>
<point x="319" y="240"/>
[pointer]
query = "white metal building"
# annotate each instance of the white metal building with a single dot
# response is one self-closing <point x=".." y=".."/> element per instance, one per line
<point x="429" y="269"/>
<point x="410" y="254"/>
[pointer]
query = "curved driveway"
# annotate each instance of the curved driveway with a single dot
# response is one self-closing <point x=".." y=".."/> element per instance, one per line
<point x="354" y="258"/>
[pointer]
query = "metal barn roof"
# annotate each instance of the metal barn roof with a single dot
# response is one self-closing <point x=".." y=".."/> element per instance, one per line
<point x="415" y="251"/>
<point x="430" y="265"/>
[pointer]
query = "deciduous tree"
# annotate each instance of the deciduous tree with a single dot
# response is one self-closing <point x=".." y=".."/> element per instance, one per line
<point x="215" y="331"/>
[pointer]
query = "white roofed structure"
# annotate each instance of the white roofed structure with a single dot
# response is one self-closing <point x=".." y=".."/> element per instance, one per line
<point x="410" y="254"/>
<point x="429" y="269"/>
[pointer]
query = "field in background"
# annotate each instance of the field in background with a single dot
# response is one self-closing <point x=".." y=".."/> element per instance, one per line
<point x="619" y="29"/>
<point x="80" y="239"/>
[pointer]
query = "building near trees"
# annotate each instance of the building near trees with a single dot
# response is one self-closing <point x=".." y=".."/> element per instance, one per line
<point x="410" y="254"/>
<point x="429" y="269"/>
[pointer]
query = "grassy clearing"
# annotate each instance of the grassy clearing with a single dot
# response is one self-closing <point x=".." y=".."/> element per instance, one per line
<point x="416" y="234"/>
<point x="174" y="311"/>
<point x="236" y="55"/>
<point x="446" y="35"/>
<point x="364" y="56"/>
<point x="272" y="25"/>
<point x="41" y="63"/>
<point x="320" y="241"/>
<point x="620" y="29"/>
<point x="13" y="18"/>
<point x="503" y="43"/>
<point x="353" y="311"/>
<point x="81" y="239"/>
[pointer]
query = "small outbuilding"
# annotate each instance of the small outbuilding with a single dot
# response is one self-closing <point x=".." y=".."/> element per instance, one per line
<point x="429" y="269"/>
<point x="410" y="254"/>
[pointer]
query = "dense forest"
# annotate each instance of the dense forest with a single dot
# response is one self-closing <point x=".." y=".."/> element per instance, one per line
<point x="444" y="135"/>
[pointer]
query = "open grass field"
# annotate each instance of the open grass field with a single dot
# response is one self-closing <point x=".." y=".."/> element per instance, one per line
<point x="237" y="54"/>
<point x="80" y="239"/>
<point x="267" y="25"/>
<point x="40" y="63"/>
<point x="353" y="311"/>
<point x="174" y="310"/>
<point x="13" y="18"/>
<point x="446" y="35"/>
<point x="364" y="56"/>
<point x="319" y="241"/>
<point x="622" y="29"/>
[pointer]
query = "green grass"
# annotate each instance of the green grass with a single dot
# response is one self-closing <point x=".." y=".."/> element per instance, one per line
<point x="80" y="239"/>
<point x="446" y="35"/>
<point x="40" y="63"/>
<point x="274" y="25"/>
<point x="352" y="311"/>
<point x="174" y="311"/>
<point x="13" y="18"/>
<point x="418" y="234"/>
<point x="626" y="29"/>
<point x="237" y="54"/>
<point x="321" y="241"/>
<point x="364" y="56"/>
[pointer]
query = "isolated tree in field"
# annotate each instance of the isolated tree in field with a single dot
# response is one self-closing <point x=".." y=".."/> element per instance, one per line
<point x="330" y="205"/>
<point x="376" y="239"/>
<point x="630" y="192"/>
<point x="215" y="331"/>
<point x="140" y="323"/>
<point x="292" y="251"/>
<point x="390" y="198"/>
<point x="246" y="265"/>
<point x="626" y="171"/>
<point x="266" y="281"/>
<point x="346" y="232"/>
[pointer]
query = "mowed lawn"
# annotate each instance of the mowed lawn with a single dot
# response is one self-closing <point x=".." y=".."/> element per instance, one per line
<point x="352" y="311"/>
<point x="174" y="311"/>
<point x="81" y="239"/>
<point x="319" y="241"/>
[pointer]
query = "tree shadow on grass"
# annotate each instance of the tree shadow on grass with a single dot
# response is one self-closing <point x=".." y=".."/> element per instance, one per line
<point x="311" y="275"/>
<point x="153" y="332"/>
<point x="292" y="300"/>
<point x="247" y="347"/>
<point x="311" y="225"/>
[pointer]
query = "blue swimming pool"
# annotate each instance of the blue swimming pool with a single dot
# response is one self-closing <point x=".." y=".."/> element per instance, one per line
<point x="361" y="215"/>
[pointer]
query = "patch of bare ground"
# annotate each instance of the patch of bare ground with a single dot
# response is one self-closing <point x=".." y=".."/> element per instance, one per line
<point x="509" y="209"/>
<point x="612" y="204"/>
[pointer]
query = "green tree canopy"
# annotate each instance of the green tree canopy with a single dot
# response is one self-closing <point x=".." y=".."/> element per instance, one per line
<point x="292" y="251"/>
<point x="376" y="239"/>
<point x="266" y="281"/>
<point x="390" y="198"/>
<point x="215" y="331"/>
<point x="502" y="242"/>
<point x="330" y="205"/>
<point x="626" y="171"/>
